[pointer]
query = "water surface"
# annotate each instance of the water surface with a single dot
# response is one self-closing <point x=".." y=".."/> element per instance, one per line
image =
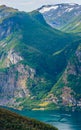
<point x="62" y="120"/>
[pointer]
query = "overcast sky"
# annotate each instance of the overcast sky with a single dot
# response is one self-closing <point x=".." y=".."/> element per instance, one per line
<point x="29" y="5"/>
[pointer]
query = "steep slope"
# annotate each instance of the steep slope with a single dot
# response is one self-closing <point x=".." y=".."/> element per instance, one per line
<point x="66" y="93"/>
<point x="11" y="121"/>
<point x="32" y="57"/>
<point x="60" y="15"/>
<point x="74" y="26"/>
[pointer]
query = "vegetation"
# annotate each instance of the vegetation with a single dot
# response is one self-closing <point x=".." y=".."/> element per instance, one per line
<point x="12" y="121"/>
<point x="43" y="49"/>
<point x="74" y="26"/>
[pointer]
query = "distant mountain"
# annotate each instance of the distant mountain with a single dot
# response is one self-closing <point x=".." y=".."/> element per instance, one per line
<point x="61" y="15"/>
<point x="10" y="121"/>
<point x="33" y="59"/>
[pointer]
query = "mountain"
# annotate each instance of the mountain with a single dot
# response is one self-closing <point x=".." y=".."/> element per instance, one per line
<point x="33" y="58"/>
<point x="66" y="91"/>
<point x="61" y="15"/>
<point x="10" y="121"/>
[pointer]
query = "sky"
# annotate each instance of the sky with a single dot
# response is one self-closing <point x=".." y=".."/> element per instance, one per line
<point x="29" y="5"/>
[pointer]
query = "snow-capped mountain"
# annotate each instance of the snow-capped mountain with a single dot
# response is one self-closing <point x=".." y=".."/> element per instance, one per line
<point x="60" y="14"/>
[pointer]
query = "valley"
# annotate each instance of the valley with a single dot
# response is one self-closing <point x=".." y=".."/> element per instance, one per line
<point x="40" y="65"/>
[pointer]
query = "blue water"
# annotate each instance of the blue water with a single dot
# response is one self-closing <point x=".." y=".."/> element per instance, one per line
<point x="62" y="120"/>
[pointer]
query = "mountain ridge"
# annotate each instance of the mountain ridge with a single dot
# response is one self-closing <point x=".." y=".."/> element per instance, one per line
<point x="60" y="15"/>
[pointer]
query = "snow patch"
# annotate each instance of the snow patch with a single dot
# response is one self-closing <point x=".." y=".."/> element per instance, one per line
<point x="46" y="9"/>
<point x="72" y="4"/>
<point x="69" y="9"/>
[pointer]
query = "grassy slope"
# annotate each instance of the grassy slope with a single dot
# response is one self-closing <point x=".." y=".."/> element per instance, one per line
<point x="74" y="26"/>
<point x="13" y="121"/>
<point x="38" y="43"/>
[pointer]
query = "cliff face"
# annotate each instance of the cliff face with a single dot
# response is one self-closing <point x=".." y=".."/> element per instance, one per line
<point x="67" y="91"/>
<point x="13" y="83"/>
<point x="72" y="77"/>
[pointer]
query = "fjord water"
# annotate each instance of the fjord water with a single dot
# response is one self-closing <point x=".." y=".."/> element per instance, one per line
<point x="62" y="120"/>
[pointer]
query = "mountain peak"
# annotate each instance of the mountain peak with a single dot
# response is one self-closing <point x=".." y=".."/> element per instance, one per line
<point x="47" y="8"/>
<point x="60" y="14"/>
<point x="2" y="6"/>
